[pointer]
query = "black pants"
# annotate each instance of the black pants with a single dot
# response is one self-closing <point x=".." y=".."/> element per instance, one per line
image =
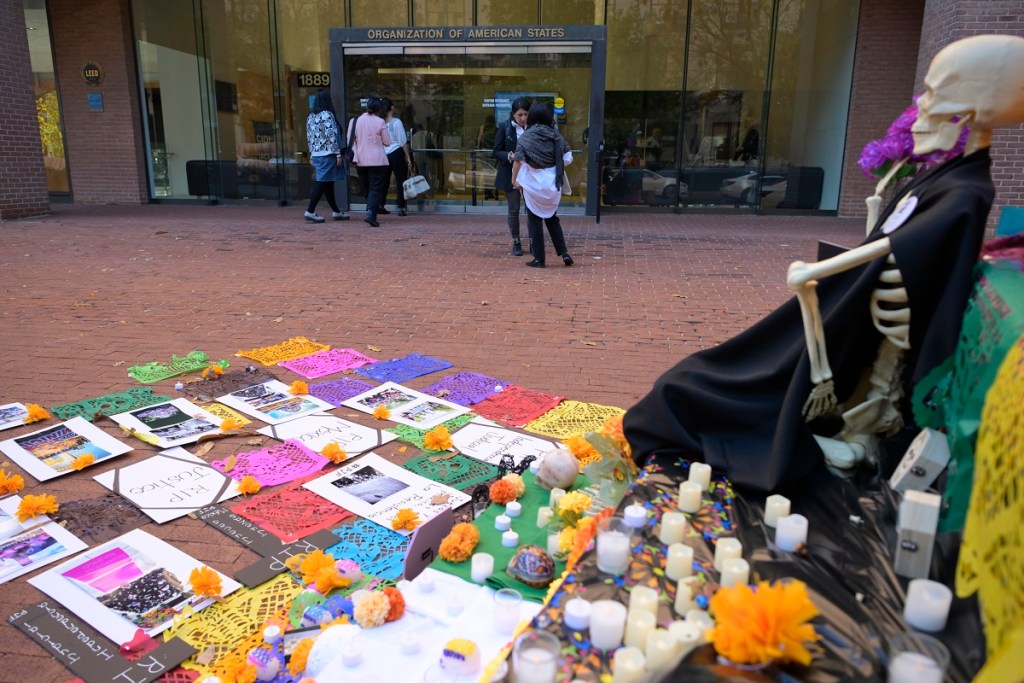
<point x="400" y="167"/>
<point x="536" y="226"/>
<point x="322" y="188"/>
<point x="513" y="197"/>
<point x="374" y="180"/>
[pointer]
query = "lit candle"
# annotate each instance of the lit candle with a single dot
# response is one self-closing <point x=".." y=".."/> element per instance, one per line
<point x="661" y="649"/>
<point x="552" y="544"/>
<point x="691" y="496"/>
<point x="638" y="625"/>
<point x="613" y="537"/>
<point x="351" y="655"/>
<point x="577" y="614"/>
<point x="673" y="528"/>
<point x="544" y="516"/>
<point x="790" y="532"/>
<point x="927" y="606"/>
<point x="643" y="599"/>
<point x="536" y="665"/>
<point x="502" y="522"/>
<point x="689" y="635"/>
<point x="679" y="562"/>
<point x="635" y="516"/>
<point x="510" y="539"/>
<point x="513" y="509"/>
<point x="482" y="567"/>
<point x="700" y="473"/>
<point x="735" y="571"/>
<point x="726" y="549"/>
<point x="607" y="624"/>
<point x="534" y="466"/>
<point x="914" y="667"/>
<point x="410" y="644"/>
<point x="556" y="495"/>
<point x="425" y="584"/>
<point x="628" y="665"/>
<point x="774" y="507"/>
<point x="700" y="618"/>
<point x="686" y="591"/>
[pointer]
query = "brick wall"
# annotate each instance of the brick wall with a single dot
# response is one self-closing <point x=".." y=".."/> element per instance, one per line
<point x="949" y="20"/>
<point x="888" y="36"/>
<point x="106" y="157"/>
<point x="22" y="177"/>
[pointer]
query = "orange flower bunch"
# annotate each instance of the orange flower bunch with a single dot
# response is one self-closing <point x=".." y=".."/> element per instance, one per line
<point x="586" y="529"/>
<point x="334" y="453"/>
<point x="397" y="602"/>
<point x="31" y="506"/>
<point x="516" y="481"/>
<point x="381" y="412"/>
<point x="300" y="656"/>
<point x="612" y="428"/>
<point x="10" y="483"/>
<point x="438" y="439"/>
<point x="372" y="610"/>
<point x="83" y="461"/>
<point x="299" y="387"/>
<point x="36" y="413"/>
<point x="230" y="424"/>
<point x="503" y="492"/>
<point x="205" y="582"/>
<point x="406" y="519"/>
<point x="312" y="564"/>
<point x="580" y="447"/>
<point x="763" y="625"/>
<point x="239" y="670"/>
<point x="460" y="542"/>
<point x="248" y="485"/>
<point x="212" y="371"/>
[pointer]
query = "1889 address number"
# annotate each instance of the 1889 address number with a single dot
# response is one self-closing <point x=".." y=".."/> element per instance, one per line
<point x="314" y="80"/>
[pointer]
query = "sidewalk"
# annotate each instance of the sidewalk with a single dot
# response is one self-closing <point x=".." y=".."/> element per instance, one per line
<point x="89" y="291"/>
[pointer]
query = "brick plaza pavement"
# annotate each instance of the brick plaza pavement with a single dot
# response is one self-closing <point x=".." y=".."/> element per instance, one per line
<point x="88" y="291"/>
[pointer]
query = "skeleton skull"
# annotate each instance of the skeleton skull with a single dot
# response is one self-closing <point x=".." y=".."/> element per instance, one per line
<point x="978" y="79"/>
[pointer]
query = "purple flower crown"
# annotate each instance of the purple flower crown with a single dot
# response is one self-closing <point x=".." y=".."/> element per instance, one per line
<point x="878" y="156"/>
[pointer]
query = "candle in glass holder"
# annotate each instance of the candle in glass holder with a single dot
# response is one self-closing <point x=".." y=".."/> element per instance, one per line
<point x="635" y="515"/>
<point x="660" y="650"/>
<point x="643" y="598"/>
<point x="791" y="532"/>
<point x="510" y="539"/>
<point x="679" y="562"/>
<point x="514" y="508"/>
<point x="689" y="635"/>
<point x="576" y="614"/>
<point x="927" y="606"/>
<point x="673" y="528"/>
<point x="613" y="545"/>
<point x="553" y="544"/>
<point x="607" y="624"/>
<point x="735" y="570"/>
<point x="628" y="665"/>
<point x="638" y="625"/>
<point x="691" y="496"/>
<point x="686" y="591"/>
<point x="700" y="473"/>
<point x="774" y="507"/>
<point x="502" y="522"/>
<point x="535" y="657"/>
<point x="913" y="667"/>
<point x="726" y="549"/>
<point x="554" y="497"/>
<point x="544" y="516"/>
<point x="482" y="567"/>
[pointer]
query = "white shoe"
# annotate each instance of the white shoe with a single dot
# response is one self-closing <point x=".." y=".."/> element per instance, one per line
<point x="313" y="218"/>
<point x="339" y="216"/>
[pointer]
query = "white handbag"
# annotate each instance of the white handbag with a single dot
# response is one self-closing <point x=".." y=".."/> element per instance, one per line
<point x="415" y="186"/>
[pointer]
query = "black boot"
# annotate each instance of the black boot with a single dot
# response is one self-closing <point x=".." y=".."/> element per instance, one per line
<point x="517" y="248"/>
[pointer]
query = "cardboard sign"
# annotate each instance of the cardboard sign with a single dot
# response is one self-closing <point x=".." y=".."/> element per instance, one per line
<point x="239" y="529"/>
<point x="270" y="566"/>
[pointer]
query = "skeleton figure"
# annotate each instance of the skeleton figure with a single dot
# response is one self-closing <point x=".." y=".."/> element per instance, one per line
<point x="980" y="81"/>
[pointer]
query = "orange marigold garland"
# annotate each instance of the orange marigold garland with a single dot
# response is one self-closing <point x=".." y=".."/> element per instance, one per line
<point x="248" y="485"/>
<point x="299" y="387"/>
<point x="205" y="582"/>
<point x="300" y="656"/>
<point x="36" y="413"/>
<point x="763" y="625"/>
<point x="334" y="453"/>
<point x="83" y="461"/>
<point x="460" y="542"/>
<point x="406" y="519"/>
<point x="381" y="412"/>
<point x="438" y="439"/>
<point x="10" y="483"/>
<point x="397" y="602"/>
<point x="239" y="670"/>
<point x="32" y="506"/>
<point x="580" y="447"/>
<point x="503" y="492"/>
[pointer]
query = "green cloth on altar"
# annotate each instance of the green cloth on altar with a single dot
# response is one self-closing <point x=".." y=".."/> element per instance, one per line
<point x="525" y="525"/>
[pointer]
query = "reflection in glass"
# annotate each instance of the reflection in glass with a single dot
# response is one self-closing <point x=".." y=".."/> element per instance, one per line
<point x="442" y="12"/>
<point x="51" y="133"/>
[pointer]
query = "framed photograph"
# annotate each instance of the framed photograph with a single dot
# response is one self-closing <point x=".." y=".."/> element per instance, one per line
<point x="272" y="402"/>
<point x="377" y="489"/>
<point x="49" y="452"/>
<point x="407" y="406"/>
<point x="26" y="547"/>
<point x="490" y="442"/>
<point x="169" y="485"/>
<point x="316" y="431"/>
<point x="13" y="415"/>
<point x="174" y="423"/>
<point x="135" y="581"/>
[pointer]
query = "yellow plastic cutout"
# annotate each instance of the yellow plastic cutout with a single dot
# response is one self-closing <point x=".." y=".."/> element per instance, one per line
<point x="287" y="350"/>
<point x="570" y="418"/>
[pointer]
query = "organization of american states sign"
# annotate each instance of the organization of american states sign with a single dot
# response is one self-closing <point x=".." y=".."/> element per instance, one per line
<point x="466" y="33"/>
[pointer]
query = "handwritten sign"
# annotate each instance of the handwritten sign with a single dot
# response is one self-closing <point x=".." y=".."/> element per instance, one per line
<point x="267" y="568"/>
<point x="241" y="530"/>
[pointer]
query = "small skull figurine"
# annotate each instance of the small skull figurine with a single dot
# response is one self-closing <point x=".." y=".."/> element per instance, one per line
<point x="558" y="470"/>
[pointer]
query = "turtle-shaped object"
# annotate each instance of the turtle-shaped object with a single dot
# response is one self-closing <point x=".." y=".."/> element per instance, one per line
<point x="531" y="565"/>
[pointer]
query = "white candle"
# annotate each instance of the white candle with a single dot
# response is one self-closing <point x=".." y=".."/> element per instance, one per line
<point x="660" y="650"/>
<point x="513" y="509"/>
<point x="544" y="516"/>
<point x="679" y="562"/>
<point x="700" y="473"/>
<point x="628" y="665"/>
<point x="510" y="539"/>
<point x="410" y="644"/>
<point x="607" y="624"/>
<point x="914" y="667"/>
<point x="576" y="614"/>
<point x="635" y="515"/>
<point x="552" y="544"/>
<point x="774" y="507"/>
<point x="351" y="656"/>
<point x="700" y="618"/>
<point x="735" y="571"/>
<point x="613" y="546"/>
<point x="726" y="549"/>
<point x="638" y="625"/>
<point x="535" y="466"/>
<point x="689" y="635"/>
<point x="536" y="665"/>
<point x="502" y="522"/>
<point x="673" y="528"/>
<point x="790" y="532"/>
<point x="927" y="606"/>
<point x="643" y="599"/>
<point x="506" y="610"/>
<point x="686" y="591"/>
<point x="556" y="495"/>
<point x="691" y="496"/>
<point x="482" y="567"/>
<point x="455" y="606"/>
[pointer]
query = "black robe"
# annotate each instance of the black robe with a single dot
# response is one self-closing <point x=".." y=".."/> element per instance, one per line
<point x="738" y="406"/>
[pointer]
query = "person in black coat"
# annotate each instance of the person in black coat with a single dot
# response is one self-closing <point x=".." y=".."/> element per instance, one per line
<point x="504" y="151"/>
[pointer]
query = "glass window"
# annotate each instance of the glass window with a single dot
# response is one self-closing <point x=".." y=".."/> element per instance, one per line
<point x="572" y="13"/>
<point x="377" y="12"/>
<point x="51" y="131"/>
<point x="506" y="12"/>
<point x="442" y="12"/>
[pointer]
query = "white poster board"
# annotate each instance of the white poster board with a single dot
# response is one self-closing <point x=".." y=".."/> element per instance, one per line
<point x="316" y="431"/>
<point x="272" y="402"/>
<point x="173" y="423"/>
<point x="490" y="443"/>
<point x="27" y="546"/>
<point x="49" y="452"/>
<point x="13" y="415"/>
<point x="407" y="406"/>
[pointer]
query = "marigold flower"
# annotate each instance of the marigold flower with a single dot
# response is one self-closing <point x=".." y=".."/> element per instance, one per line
<point x="460" y="542"/>
<point x="437" y="439"/>
<point x="239" y="670"/>
<point x="579" y="447"/>
<point x="574" y="502"/>
<point x="313" y="563"/>
<point x="329" y="579"/>
<point x="205" y="582"/>
<point x="612" y="428"/>
<point x="300" y="655"/>
<point x="397" y="602"/>
<point x="299" y="387"/>
<point x="566" y="539"/>
<point x="372" y="610"/>
<point x="212" y="371"/>
<point x="36" y="413"/>
<point x="503" y="492"/>
<point x="406" y="519"/>
<point x="334" y="453"/>
<point x="381" y="412"/>
<point x="10" y="483"/>
<point x="83" y="461"/>
<point x="230" y="424"/>
<point x="248" y="485"/>
<point x="585" y="532"/>
<point x="32" y="506"/>
<point x="517" y="481"/>
<point x="763" y="625"/>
